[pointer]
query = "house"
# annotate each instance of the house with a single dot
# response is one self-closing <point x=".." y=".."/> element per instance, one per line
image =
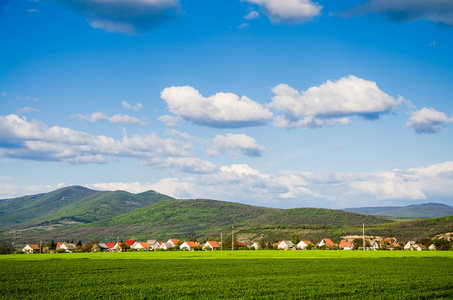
<point x="213" y="245"/>
<point x="327" y="242"/>
<point x="173" y="241"/>
<point x="302" y="245"/>
<point x="240" y="244"/>
<point x="346" y="245"/>
<point x="154" y="244"/>
<point x="142" y="246"/>
<point x="387" y="242"/>
<point x="286" y="245"/>
<point x="110" y="245"/>
<point x="131" y="243"/>
<point x="188" y="245"/>
<point x="166" y="246"/>
<point x="432" y="247"/>
<point x="373" y="245"/>
<point x="419" y="247"/>
<point x="255" y="246"/>
<point x="103" y="246"/>
<point x="68" y="247"/>
<point x="31" y="248"/>
<point x="410" y="245"/>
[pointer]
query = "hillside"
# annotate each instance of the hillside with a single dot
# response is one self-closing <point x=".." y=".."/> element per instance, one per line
<point x="80" y="213"/>
<point x="426" y="210"/>
<point x="73" y="204"/>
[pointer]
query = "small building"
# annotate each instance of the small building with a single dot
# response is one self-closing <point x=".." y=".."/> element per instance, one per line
<point x="131" y="243"/>
<point x="188" y="245"/>
<point x="166" y="246"/>
<point x="286" y="245"/>
<point x="373" y="245"/>
<point x="302" y="245"/>
<point x="31" y="248"/>
<point x="432" y="247"/>
<point x="68" y="247"/>
<point x="102" y="246"/>
<point x="409" y="245"/>
<point x="255" y="246"/>
<point x="327" y="242"/>
<point x="346" y="245"/>
<point x="173" y="241"/>
<point x="211" y="244"/>
<point x="154" y="244"/>
<point x="142" y="246"/>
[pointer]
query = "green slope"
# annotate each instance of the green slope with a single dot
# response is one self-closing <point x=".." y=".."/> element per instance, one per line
<point x="426" y="210"/>
<point x="73" y="203"/>
<point x="204" y="218"/>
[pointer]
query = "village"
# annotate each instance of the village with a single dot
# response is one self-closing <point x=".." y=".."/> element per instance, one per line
<point x="350" y="243"/>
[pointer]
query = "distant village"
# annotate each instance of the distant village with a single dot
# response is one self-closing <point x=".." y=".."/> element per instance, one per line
<point x="349" y="243"/>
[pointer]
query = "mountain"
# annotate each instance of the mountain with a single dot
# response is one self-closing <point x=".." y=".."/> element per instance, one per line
<point x="74" y="204"/>
<point x="80" y="213"/>
<point x="426" y="210"/>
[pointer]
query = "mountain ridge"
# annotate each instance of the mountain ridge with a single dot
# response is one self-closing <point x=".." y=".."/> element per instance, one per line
<point x="424" y="210"/>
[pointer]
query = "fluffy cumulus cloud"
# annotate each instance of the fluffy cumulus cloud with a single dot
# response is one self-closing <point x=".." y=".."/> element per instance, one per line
<point x="184" y="164"/>
<point x="222" y="110"/>
<point x="436" y="11"/>
<point x="330" y="103"/>
<point x="240" y="182"/>
<point x="100" y="117"/>
<point x="127" y="17"/>
<point x="428" y="120"/>
<point x="289" y="11"/>
<point x="35" y="140"/>
<point x="235" y="144"/>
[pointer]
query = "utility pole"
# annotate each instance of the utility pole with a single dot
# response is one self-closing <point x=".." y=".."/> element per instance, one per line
<point x="232" y="240"/>
<point x="363" y="236"/>
<point x="40" y="247"/>
<point x="221" y="242"/>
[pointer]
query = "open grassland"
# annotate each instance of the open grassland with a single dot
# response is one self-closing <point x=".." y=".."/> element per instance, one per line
<point x="216" y="275"/>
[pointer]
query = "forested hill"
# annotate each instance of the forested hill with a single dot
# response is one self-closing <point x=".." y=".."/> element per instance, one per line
<point x="71" y="204"/>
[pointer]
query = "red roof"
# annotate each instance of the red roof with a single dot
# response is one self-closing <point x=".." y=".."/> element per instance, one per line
<point x="308" y="243"/>
<point x="240" y="244"/>
<point x="346" y="244"/>
<point x="145" y="245"/>
<point x="58" y="244"/>
<point x="33" y="246"/>
<point x="213" y="244"/>
<point x="130" y="242"/>
<point x="110" y="244"/>
<point x="328" y="242"/>
<point x="191" y="244"/>
<point x="421" y="246"/>
<point x="173" y="241"/>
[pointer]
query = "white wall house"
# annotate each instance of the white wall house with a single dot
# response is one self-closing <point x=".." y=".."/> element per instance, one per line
<point x="188" y="245"/>
<point x="327" y="242"/>
<point x="143" y="246"/>
<point x="31" y="248"/>
<point x="211" y="244"/>
<point x="68" y="247"/>
<point x="166" y="246"/>
<point x="286" y="245"/>
<point x="302" y="245"/>
<point x="409" y="245"/>
<point x="154" y="244"/>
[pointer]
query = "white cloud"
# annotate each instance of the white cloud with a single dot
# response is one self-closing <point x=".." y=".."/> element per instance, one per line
<point x="252" y="15"/>
<point x="170" y="121"/>
<point x="11" y="190"/>
<point x="136" y="107"/>
<point x="27" y="109"/>
<point x="428" y="120"/>
<point x="436" y="11"/>
<point x="127" y="17"/>
<point x="35" y="140"/>
<point x="289" y="11"/>
<point x="243" y="25"/>
<point x="183" y="164"/>
<point x="329" y="103"/>
<point x="242" y="183"/>
<point x="100" y="117"/>
<point x="234" y="144"/>
<point x="223" y="110"/>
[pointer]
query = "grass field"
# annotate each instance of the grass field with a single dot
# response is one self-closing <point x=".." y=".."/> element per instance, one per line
<point x="216" y="275"/>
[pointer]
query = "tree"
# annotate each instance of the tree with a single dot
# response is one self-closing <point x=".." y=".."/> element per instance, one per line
<point x="6" y="248"/>
<point x="124" y="246"/>
<point x="52" y="245"/>
<point x="79" y="243"/>
<point x="296" y="239"/>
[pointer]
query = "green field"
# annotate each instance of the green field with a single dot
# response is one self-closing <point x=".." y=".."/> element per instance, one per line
<point x="214" y="275"/>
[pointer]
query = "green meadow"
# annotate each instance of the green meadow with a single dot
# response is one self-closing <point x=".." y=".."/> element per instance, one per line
<point x="221" y="275"/>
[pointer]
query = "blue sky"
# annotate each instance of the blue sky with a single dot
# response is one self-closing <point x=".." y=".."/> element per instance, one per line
<point x="289" y="103"/>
